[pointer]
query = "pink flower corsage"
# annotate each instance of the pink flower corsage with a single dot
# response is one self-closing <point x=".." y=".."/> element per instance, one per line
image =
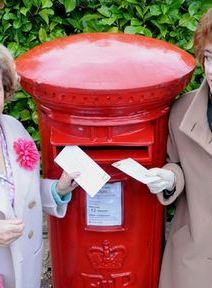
<point x="27" y="152"/>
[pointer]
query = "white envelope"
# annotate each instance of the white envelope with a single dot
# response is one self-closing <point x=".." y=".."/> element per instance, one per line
<point x="135" y="170"/>
<point x="92" y="177"/>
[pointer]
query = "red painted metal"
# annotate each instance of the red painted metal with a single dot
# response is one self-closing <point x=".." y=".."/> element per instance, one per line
<point x="110" y="94"/>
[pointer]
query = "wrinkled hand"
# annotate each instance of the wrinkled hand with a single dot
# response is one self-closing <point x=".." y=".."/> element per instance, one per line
<point x="10" y="230"/>
<point x="166" y="181"/>
<point x="66" y="183"/>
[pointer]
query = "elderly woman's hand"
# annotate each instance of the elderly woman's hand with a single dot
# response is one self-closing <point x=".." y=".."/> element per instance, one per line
<point x="67" y="183"/>
<point x="10" y="230"/>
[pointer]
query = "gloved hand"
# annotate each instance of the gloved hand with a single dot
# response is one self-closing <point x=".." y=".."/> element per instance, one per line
<point x="166" y="181"/>
<point x="66" y="183"/>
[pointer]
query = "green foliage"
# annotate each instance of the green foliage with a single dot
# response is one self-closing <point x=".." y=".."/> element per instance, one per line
<point x="170" y="212"/>
<point x="27" y="23"/>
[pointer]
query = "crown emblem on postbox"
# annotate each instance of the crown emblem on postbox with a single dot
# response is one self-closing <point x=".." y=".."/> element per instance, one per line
<point x="107" y="256"/>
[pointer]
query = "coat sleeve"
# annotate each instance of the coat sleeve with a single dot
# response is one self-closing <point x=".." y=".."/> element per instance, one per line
<point x="173" y="165"/>
<point x="48" y="202"/>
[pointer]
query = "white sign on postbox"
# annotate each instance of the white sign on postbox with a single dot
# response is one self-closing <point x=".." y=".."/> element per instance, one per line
<point x="105" y="209"/>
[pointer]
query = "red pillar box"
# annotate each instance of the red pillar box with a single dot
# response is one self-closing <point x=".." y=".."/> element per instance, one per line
<point x="110" y="94"/>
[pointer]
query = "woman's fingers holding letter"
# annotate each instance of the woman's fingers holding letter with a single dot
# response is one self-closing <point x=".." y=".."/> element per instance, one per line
<point x="67" y="182"/>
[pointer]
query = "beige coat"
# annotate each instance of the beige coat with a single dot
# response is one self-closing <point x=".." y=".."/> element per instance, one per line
<point x="31" y="195"/>
<point x="187" y="261"/>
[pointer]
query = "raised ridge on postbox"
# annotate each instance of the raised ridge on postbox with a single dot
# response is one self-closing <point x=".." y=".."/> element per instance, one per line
<point x="105" y="73"/>
<point x="135" y="144"/>
<point x="143" y="137"/>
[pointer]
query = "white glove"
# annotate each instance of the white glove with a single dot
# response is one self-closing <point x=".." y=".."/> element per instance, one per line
<point x="166" y="181"/>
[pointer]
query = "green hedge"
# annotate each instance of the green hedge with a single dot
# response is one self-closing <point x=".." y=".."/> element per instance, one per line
<point x="27" y="23"/>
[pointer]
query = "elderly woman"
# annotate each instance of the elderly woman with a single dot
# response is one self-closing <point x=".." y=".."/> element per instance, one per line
<point x="22" y="194"/>
<point x="187" y="261"/>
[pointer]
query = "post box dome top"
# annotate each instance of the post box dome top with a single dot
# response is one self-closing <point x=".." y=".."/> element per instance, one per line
<point x="101" y="64"/>
<point x="104" y="61"/>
